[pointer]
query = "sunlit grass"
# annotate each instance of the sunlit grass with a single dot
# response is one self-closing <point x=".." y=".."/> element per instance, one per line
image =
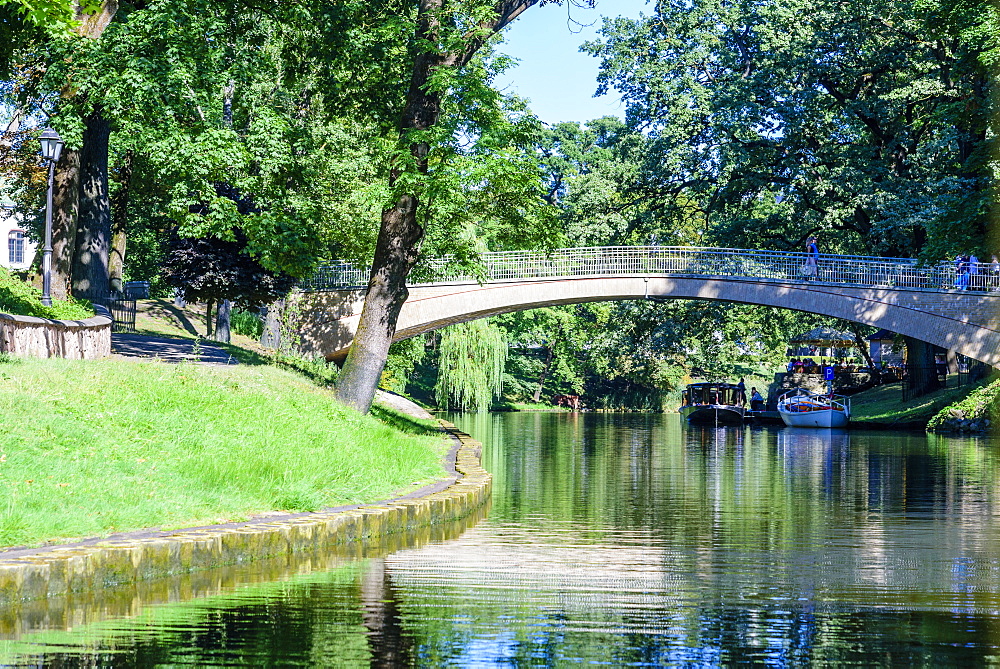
<point x="93" y="447"/>
<point x="532" y="406"/>
<point x="885" y="403"/>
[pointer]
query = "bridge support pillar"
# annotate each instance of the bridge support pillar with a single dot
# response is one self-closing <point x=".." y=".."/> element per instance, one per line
<point x="952" y="361"/>
<point x="921" y="366"/>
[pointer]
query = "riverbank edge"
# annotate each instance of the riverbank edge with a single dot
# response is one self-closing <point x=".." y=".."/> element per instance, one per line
<point x="51" y="571"/>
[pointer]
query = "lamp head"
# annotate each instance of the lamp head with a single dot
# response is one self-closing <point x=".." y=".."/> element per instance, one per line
<point x="51" y="143"/>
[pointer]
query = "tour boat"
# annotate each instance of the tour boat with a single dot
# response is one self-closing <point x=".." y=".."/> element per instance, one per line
<point x="713" y="404"/>
<point x="800" y="408"/>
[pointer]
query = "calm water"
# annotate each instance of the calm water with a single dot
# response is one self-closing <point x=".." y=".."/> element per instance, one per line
<point x="626" y="540"/>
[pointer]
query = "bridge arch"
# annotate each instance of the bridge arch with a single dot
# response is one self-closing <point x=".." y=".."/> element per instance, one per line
<point x="964" y="321"/>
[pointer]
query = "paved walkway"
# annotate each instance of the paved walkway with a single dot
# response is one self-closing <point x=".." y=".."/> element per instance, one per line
<point x="169" y="349"/>
<point x="401" y="404"/>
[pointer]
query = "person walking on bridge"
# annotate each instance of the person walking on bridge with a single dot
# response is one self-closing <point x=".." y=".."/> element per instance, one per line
<point x="812" y="259"/>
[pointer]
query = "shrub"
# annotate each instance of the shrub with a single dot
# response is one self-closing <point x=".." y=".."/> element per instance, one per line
<point x="980" y="405"/>
<point x="23" y="299"/>
<point x="246" y="323"/>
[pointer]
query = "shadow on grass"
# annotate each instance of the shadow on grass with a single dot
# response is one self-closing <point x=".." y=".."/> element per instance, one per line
<point x="403" y="422"/>
<point x="164" y="310"/>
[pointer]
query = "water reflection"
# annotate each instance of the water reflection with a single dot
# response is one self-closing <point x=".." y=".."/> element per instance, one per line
<point x="636" y="540"/>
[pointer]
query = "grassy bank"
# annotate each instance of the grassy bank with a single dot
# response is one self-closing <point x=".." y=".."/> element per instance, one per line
<point x="94" y="447"/>
<point x="884" y="405"/>
<point x="976" y="412"/>
<point x="18" y="297"/>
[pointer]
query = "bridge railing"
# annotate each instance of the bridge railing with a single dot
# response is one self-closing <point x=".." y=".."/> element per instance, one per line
<point x="680" y="261"/>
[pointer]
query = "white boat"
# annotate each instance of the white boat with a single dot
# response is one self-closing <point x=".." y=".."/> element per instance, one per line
<point x="800" y="408"/>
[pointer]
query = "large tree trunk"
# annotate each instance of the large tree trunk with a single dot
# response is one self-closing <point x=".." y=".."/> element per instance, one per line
<point x="400" y="235"/>
<point x="395" y="255"/>
<point x="119" y="216"/>
<point x="93" y="231"/>
<point x="921" y="367"/>
<point x="65" y="207"/>
<point x="66" y="182"/>
<point x="222" y="315"/>
<point x="537" y="397"/>
<point x="93" y="25"/>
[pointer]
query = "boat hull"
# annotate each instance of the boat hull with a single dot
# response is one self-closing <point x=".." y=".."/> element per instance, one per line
<point x="816" y="418"/>
<point x="713" y="414"/>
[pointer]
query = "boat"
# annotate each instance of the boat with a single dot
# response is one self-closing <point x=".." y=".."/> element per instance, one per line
<point x="801" y="408"/>
<point x="713" y="404"/>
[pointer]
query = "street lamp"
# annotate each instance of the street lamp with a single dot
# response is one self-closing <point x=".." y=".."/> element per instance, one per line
<point x="52" y="145"/>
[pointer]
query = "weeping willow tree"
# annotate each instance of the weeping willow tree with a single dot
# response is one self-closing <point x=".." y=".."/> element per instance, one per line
<point x="470" y="365"/>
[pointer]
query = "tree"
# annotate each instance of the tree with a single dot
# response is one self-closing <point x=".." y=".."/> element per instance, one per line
<point x="213" y="270"/>
<point x="447" y="36"/>
<point x="52" y="22"/>
<point x="470" y="365"/>
<point x="786" y="117"/>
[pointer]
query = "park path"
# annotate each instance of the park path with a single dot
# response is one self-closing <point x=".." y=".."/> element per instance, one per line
<point x="169" y="349"/>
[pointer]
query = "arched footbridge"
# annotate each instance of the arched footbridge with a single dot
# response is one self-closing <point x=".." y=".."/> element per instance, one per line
<point x="893" y="293"/>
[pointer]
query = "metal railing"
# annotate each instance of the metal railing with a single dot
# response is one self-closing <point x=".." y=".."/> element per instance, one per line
<point x="678" y="261"/>
<point x="123" y="310"/>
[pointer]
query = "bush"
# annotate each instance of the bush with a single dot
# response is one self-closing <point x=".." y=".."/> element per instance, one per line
<point x="246" y="323"/>
<point x="23" y="299"/>
<point x="979" y="410"/>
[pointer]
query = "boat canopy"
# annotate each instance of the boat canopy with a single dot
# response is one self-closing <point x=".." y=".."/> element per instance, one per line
<point x="725" y="394"/>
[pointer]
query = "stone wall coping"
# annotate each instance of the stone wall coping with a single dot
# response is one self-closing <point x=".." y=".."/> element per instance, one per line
<point x="101" y="319"/>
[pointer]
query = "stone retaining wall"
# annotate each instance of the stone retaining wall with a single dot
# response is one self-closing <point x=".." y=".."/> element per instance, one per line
<point x="28" y="336"/>
<point x="88" y="569"/>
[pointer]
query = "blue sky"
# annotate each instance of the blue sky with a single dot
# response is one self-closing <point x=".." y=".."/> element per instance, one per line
<point x="558" y="79"/>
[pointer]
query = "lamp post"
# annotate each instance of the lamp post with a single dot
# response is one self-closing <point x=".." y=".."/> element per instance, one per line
<point x="51" y="148"/>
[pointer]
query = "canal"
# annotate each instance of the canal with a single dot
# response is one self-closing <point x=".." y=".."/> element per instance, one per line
<point x="625" y="540"/>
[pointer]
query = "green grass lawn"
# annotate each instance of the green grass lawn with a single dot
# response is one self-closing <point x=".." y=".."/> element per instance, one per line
<point x="95" y="447"/>
<point x="884" y="404"/>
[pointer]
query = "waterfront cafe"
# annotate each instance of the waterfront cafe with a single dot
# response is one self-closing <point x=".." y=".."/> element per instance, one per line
<point x="824" y="345"/>
<point x="885" y="350"/>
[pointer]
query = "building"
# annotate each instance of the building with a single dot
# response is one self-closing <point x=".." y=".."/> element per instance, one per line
<point x="17" y="251"/>
<point x="882" y="349"/>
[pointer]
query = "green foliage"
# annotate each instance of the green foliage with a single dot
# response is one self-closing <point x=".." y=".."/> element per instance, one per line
<point x="18" y="297"/>
<point x="58" y="17"/>
<point x="471" y="364"/>
<point x="981" y="403"/>
<point x="246" y="323"/>
<point x="786" y="117"/>
<point x="404" y="356"/>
